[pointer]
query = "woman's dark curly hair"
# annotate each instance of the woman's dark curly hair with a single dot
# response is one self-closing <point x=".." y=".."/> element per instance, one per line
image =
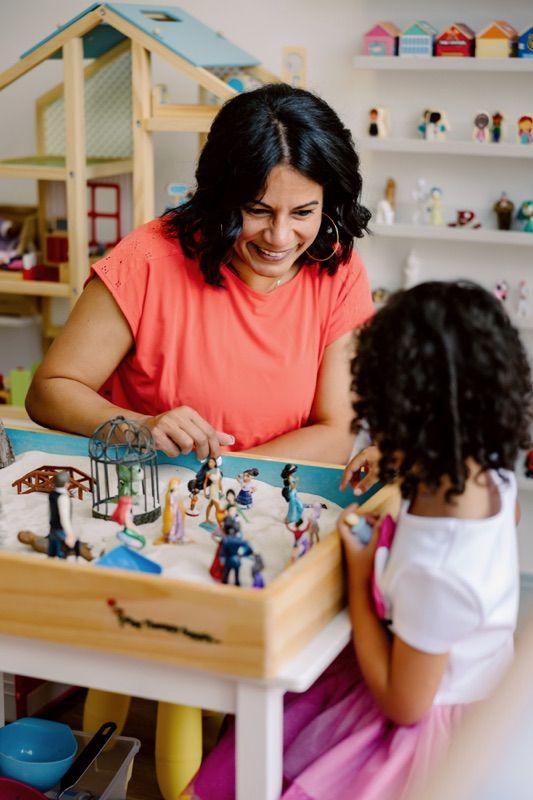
<point x="440" y="377"/>
<point x="252" y="133"/>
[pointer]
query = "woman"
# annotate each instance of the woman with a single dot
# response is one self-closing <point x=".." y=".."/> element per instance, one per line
<point x="227" y="323"/>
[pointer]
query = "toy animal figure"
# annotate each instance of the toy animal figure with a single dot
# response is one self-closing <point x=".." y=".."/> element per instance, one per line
<point x="130" y="476"/>
<point x="247" y="487"/>
<point x="481" y="127"/>
<point x="174" y="514"/>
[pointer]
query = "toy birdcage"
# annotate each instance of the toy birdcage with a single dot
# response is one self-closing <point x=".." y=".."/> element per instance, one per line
<point x="124" y="462"/>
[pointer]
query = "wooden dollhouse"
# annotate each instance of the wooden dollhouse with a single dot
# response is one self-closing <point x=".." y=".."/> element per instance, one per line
<point x="497" y="40"/>
<point x="417" y="39"/>
<point x="525" y="43"/>
<point x="96" y="129"/>
<point x="457" y="39"/>
<point x="381" y="40"/>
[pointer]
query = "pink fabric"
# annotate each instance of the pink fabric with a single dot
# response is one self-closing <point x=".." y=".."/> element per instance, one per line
<point x="246" y="361"/>
<point x="339" y="746"/>
<point x="385" y="537"/>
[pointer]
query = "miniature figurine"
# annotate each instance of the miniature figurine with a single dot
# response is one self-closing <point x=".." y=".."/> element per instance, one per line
<point x="385" y="210"/>
<point x="314" y="530"/>
<point x="61" y="537"/>
<point x="245" y="480"/>
<point x="481" y="127"/>
<point x="290" y="485"/>
<point x="465" y="219"/>
<point x="129" y="534"/>
<point x="212" y="485"/>
<point x="360" y="527"/>
<point x="421" y="197"/>
<point x="497" y="127"/>
<point x="522" y="309"/>
<point x="174" y="515"/>
<point x="233" y="548"/>
<point x="433" y="125"/>
<point x="7" y="456"/>
<point x="435" y="208"/>
<point x="504" y="211"/>
<point x="378" y="123"/>
<point x="525" y="128"/>
<point x="193" y="499"/>
<point x="411" y="270"/>
<point x="258" y="565"/>
<point x="130" y="478"/>
<point x="501" y="290"/>
<point x="525" y="215"/>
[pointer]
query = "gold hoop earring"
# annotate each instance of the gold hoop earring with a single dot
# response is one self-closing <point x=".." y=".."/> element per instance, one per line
<point x="336" y="245"/>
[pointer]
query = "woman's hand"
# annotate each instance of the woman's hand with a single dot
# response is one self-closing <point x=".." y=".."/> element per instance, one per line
<point x="359" y="556"/>
<point x="362" y="472"/>
<point x="182" y="430"/>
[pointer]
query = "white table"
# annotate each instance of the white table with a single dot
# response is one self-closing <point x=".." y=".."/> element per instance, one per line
<point x="257" y="704"/>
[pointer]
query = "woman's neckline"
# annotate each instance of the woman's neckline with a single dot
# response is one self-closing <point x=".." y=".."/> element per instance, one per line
<point x="277" y="283"/>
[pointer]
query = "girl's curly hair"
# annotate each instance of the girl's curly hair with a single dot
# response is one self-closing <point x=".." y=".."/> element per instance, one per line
<point x="441" y="376"/>
<point x="251" y="134"/>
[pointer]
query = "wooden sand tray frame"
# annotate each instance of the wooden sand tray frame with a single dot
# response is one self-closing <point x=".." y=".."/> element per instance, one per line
<point x="221" y="628"/>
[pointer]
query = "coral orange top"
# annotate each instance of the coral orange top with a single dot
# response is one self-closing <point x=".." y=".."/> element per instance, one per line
<point x="245" y="361"/>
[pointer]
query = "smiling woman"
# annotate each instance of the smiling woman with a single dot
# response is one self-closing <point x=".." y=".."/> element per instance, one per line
<point x="228" y="322"/>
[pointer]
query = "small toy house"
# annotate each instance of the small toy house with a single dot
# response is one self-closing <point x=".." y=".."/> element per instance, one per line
<point x="525" y="43"/>
<point x="381" y="40"/>
<point x="497" y="40"/>
<point x="417" y="40"/>
<point x="457" y="39"/>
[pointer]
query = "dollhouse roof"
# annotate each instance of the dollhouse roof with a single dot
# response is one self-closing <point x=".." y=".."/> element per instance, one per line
<point x="498" y="29"/>
<point x="419" y="28"/>
<point x="457" y="27"/>
<point x="384" y="29"/>
<point x="168" y="25"/>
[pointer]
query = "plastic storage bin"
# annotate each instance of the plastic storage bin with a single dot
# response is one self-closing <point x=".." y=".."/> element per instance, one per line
<point x="108" y="776"/>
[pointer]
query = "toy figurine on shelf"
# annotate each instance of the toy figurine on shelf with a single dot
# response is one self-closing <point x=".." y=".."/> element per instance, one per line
<point x="378" y="123"/>
<point x="411" y="270"/>
<point x="435" y="207"/>
<point x="129" y="533"/>
<point x="173" y="515"/>
<point x="525" y="129"/>
<point x="247" y="487"/>
<point x="496" y="130"/>
<point x="386" y="208"/>
<point x="522" y="308"/>
<point x="433" y="125"/>
<point x="525" y="215"/>
<point x="420" y="195"/>
<point x="465" y="219"/>
<point x="501" y="290"/>
<point x="481" y="127"/>
<point x="504" y="211"/>
<point x="62" y="540"/>
<point x="289" y="491"/>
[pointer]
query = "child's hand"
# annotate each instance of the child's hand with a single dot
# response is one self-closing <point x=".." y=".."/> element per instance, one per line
<point x="359" y="556"/>
<point x="362" y="471"/>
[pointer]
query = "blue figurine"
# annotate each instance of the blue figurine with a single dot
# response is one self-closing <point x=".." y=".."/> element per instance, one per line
<point x="233" y="548"/>
<point x="295" y="512"/>
<point x="247" y="487"/>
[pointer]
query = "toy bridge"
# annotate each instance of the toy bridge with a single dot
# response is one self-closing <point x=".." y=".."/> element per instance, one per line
<point x="42" y="480"/>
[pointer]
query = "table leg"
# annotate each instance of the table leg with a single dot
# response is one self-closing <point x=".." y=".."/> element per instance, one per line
<point x="259" y="742"/>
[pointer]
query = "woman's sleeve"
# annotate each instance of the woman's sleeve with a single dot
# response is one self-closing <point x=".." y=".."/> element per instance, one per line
<point x="353" y="303"/>
<point x="431" y="610"/>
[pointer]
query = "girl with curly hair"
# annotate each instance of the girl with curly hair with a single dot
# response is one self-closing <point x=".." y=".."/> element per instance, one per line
<point x="443" y="383"/>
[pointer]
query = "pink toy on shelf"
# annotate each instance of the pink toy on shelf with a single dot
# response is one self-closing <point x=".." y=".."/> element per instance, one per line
<point x="381" y="40"/>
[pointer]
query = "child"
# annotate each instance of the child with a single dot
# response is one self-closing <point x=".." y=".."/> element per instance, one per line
<point x="443" y="383"/>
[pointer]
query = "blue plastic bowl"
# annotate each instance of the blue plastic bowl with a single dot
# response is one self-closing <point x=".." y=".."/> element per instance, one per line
<point x="36" y="751"/>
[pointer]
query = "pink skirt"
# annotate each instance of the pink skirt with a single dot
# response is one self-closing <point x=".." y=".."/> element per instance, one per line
<point x="337" y="744"/>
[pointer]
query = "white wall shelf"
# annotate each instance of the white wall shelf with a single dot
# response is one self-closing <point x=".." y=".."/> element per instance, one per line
<point x="443" y="232"/>
<point x="395" y="63"/>
<point x="452" y="148"/>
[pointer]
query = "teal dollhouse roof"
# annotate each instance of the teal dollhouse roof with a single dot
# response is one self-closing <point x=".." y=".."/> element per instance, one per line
<point x="419" y="28"/>
<point x="170" y="26"/>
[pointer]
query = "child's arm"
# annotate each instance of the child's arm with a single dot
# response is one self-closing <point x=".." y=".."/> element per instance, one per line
<point x="403" y="680"/>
